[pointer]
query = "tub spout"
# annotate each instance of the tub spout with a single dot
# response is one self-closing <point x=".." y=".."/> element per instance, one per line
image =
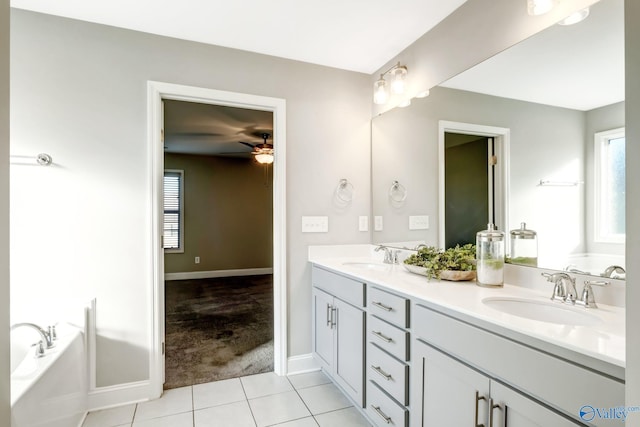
<point x="46" y="336"/>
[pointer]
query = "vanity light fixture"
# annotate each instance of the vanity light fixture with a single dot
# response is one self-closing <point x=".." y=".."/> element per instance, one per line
<point x="398" y="76"/>
<point x="540" y="7"/>
<point x="575" y="17"/>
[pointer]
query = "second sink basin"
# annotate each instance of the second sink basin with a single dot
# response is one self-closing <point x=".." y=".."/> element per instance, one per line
<point x="550" y="312"/>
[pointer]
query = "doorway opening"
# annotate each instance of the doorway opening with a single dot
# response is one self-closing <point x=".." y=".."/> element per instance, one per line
<point x="218" y="242"/>
<point x="472" y="180"/>
<point x="157" y="93"/>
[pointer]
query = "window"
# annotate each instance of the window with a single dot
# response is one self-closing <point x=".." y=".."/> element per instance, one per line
<point x="610" y="186"/>
<point x="173" y="211"/>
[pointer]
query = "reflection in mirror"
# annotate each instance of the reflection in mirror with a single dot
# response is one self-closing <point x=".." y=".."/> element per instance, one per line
<point x="561" y="96"/>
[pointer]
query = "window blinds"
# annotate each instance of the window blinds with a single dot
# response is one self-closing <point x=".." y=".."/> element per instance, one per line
<point x="172" y="209"/>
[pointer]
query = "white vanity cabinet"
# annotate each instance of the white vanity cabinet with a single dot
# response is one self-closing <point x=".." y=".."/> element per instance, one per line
<point x="452" y="393"/>
<point x="455" y="360"/>
<point x="388" y="345"/>
<point x="338" y="329"/>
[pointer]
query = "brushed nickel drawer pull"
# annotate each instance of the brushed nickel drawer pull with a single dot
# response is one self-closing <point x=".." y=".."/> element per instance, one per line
<point x="382" y="306"/>
<point x="382" y="414"/>
<point x="381" y="336"/>
<point x="382" y="373"/>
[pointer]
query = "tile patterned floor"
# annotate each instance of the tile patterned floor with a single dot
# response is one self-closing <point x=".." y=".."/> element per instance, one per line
<point x="304" y="400"/>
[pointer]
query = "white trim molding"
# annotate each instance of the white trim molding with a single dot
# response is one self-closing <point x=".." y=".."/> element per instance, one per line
<point x="502" y="143"/>
<point x="302" y="364"/>
<point x="156" y="92"/>
<point x="217" y="273"/>
<point x="121" y="394"/>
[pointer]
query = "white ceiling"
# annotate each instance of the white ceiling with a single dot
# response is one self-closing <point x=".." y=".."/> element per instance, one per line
<point x="579" y="66"/>
<point x="356" y="35"/>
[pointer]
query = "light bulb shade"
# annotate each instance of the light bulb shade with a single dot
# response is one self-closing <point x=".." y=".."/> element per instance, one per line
<point x="539" y="7"/>
<point x="397" y="80"/>
<point x="575" y="17"/>
<point x="380" y="94"/>
<point x="266" y="159"/>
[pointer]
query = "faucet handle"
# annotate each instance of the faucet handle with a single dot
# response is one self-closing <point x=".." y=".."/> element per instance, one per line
<point x="39" y="349"/>
<point x="559" y="291"/>
<point x="587" y="300"/>
<point x="52" y="332"/>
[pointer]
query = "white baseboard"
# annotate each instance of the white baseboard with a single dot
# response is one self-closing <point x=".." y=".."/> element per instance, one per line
<point x="302" y="364"/>
<point x="121" y="394"/>
<point x="217" y="273"/>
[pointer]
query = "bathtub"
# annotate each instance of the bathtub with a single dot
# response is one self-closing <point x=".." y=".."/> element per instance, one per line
<point x="49" y="391"/>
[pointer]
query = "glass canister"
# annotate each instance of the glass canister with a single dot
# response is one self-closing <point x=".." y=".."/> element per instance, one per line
<point x="490" y="257"/>
<point x="523" y="246"/>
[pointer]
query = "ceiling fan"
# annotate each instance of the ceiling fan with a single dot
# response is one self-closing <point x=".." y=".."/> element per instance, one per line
<point x="263" y="152"/>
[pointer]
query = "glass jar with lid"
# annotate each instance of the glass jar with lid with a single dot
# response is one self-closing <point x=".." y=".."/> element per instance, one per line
<point x="490" y="257"/>
<point x="523" y="246"/>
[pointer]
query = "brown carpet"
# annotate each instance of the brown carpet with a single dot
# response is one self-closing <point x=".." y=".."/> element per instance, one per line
<point x="218" y="329"/>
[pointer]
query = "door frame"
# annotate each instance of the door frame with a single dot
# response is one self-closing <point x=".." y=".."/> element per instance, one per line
<point x="156" y="92"/>
<point x="502" y="137"/>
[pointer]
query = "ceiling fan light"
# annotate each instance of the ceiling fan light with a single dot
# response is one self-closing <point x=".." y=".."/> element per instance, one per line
<point x="575" y="17"/>
<point x="539" y="7"/>
<point x="380" y="94"/>
<point x="265" y="159"/>
<point x="398" y="79"/>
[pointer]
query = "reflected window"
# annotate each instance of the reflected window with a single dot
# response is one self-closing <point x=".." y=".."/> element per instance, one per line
<point x="173" y="240"/>
<point x="610" y="186"/>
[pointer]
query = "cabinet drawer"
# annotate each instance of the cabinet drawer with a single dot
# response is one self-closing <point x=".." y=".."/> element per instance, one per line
<point x="389" y="373"/>
<point x="388" y="337"/>
<point x="348" y="290"/>
<point x="383" y="411"/>
<point x="392" y="308"/>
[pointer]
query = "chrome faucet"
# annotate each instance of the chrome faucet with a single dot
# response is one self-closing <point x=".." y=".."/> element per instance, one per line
<point x="587" y="300"/>
<point x="390" y="256"/>
<point x="564" y="288"/>
<point x="608" y="272"/>
<point x="47" y="337"/>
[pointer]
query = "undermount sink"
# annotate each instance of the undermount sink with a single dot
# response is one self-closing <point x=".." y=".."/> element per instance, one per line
<point x="368" y="265"/>
<point x="550" y="312"/>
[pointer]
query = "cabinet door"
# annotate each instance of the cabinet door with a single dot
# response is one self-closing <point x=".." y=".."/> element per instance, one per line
<point x="349" y="350"/>
<point x="323" y="329"/>
<point x="452" y="394"/>
<point x="512" y="409"/>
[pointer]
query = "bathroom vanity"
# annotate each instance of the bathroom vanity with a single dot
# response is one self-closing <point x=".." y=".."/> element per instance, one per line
<point x="414" y="352"/>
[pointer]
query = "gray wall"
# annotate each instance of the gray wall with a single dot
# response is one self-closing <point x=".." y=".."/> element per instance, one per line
<point x="79" y="93"/>
<point x="5" y="416"/>
<point x="228" y="214"/>
<point x="632" y="114"/>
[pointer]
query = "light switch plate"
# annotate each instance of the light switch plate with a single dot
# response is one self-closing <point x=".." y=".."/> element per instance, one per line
<point x="363" y="223"/>
<point x="419" y="222"/>
<point x="377" y="223"/>
<point x="315" y="224"/>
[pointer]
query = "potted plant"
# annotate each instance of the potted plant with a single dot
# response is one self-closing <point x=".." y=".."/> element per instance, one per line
<point x="457" y="263"/>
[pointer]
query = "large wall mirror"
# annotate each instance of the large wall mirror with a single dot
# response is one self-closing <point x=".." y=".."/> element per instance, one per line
<point x="559" y="96"/>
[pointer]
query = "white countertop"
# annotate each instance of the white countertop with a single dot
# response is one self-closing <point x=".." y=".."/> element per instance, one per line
<point x="600" y="347"/>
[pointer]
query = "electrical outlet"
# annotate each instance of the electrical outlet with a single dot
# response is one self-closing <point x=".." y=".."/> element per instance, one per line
<point x="419" y="222"/>
<point x="363" y="223"/>
<point x="197" y="260"/>
<point x="377" y="223"/>
<point x="315" y="224"/>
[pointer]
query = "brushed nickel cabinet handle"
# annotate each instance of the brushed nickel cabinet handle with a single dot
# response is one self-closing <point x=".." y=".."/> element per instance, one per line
<point x="334" y="316"/>
<point x="493" y="406"/>
<point x="478" y="399"/>
<point x="382" y="336"/>
<point x="382" y="373"/>
<point x="382" y="414"/>
<point x="381" y="305"/>
<point x="328" y="314"/>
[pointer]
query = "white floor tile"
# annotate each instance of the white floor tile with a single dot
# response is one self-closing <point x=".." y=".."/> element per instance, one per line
<point x="309" y="379"/>
<point x="324" y="398"/>
<point x="278" y="408"/>
<point x="178" y="420"/>
<point x="349" y="417"/>
<point x="173" y="401"/>
<point x="217" y="393"/>
<point x="265" y="384"/>
<point x="303" y="422"/>
<point x="110" y="417"/>
<point x="235" y="414"/>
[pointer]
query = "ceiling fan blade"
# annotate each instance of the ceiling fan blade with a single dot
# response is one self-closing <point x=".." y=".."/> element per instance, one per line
<point x="247" y="144"/>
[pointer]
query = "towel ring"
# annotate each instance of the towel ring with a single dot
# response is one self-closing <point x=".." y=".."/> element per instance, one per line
<point x="344" y="191"/>
<point x="397" y="192"/>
